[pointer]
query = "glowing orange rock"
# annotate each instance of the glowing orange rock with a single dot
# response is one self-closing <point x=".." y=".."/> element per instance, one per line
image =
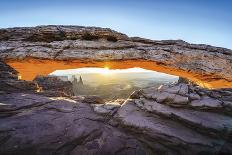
<point x="30" y="67"/>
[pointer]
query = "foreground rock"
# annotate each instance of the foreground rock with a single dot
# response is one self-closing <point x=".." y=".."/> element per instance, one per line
<point x="205" y="62"/>
<point x="41" y="125"/>
<point x="152" y="121"/>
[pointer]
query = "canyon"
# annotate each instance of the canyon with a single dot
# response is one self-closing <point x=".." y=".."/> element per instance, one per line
<point x="191" y="116"/>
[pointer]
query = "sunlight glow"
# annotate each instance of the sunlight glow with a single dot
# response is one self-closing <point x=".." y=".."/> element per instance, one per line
<point x="104" y="71"/>
<point x="110" y="73"/>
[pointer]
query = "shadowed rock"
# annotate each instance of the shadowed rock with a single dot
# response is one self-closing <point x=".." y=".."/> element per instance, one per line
<point x="35" y="124"/>
<point x="9" y="80"/>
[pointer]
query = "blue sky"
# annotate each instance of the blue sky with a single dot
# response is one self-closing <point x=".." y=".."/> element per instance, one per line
<point x="195" y="21"/>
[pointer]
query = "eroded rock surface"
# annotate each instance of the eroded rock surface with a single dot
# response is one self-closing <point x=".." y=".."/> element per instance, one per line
<point x="100" y="44"/>
<point x="42" y="125"/>
<point x="35" y="124"/>
<point x="176" y="118"/>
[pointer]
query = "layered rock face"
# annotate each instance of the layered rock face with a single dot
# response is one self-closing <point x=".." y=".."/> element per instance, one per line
<point x="59" y="33"/>
<point x="180" y="118"/>
<point x="205" y="64"/>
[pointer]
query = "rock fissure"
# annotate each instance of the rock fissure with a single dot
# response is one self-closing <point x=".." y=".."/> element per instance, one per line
<point x="69" y="146"/>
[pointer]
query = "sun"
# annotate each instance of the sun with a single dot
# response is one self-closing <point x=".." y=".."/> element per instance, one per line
<point x="105" y="71"/>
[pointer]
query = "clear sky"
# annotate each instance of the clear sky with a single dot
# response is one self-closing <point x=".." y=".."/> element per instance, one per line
<point x="195" y="21"/>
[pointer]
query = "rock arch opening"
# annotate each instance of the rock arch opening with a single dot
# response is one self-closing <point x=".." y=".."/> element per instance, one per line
<point x="109" y="84"/>
<point x="29" y="68"/>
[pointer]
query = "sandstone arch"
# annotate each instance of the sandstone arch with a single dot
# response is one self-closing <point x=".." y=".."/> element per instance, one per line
<point x="43" y="49"/>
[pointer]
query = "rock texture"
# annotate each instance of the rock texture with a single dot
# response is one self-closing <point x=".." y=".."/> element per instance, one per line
<point x="173" y="119"/>
<point x="9" y="80"/>
<point x="53" y="86"/>
<point x="100" y="44"/>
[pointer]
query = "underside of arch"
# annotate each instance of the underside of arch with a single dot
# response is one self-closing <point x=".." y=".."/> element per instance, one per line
<point x="29" y="68"/>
